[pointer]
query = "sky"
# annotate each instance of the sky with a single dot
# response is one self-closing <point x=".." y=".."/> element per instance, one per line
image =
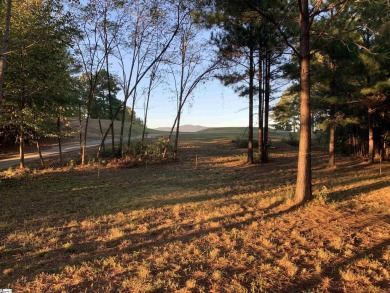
<point x="213" y="105"/>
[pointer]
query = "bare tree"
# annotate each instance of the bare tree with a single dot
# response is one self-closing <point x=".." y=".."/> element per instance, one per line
<point x="155" y="79"/>
<point x="151" y="32"/>
<point x="94" y="44"/>
<point x="90" y="57"/>
<point x="112" y="21"/>
<point x="168" y="17"/>
<point x="189" y="65"/>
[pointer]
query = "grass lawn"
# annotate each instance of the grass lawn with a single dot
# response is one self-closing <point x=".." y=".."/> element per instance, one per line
<point x="218" y="226"/>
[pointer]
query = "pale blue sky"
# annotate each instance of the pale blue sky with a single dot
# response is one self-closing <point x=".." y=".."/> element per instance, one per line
<point x="213" y="105"/>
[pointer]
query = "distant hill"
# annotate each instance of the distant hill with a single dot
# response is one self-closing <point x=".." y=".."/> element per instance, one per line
<point x="184" y="128"/>
<point x="238" y="130"/>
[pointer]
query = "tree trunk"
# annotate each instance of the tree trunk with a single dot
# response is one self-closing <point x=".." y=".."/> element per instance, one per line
<point x="120" y="146"/>
<point x="145" y="119"/>
<point x="181" y="93"/>
<point x="102" y="145"/>
<point x="91" y="97"/>
<point x="177" y="136"/>
<point x="332" y="129"/>
<point x="131" y="118"/>
<point x="21" y="148"/>
<point x="110" y="105"/>
<point x="128" y="93"/>
<point x="84" y="145"/>
<point x="59" y="139"/>
<point x="332" y="126"/>
<point x="40" y="153"/>
<point x="260" y="130"/>
<point x="266" y="106"/>
<point x="370" y="136"/>
<point x="107" y="51"/>
<point x="251" y="91"/>
<point x="4" y="47"/>
<point x="80" y="130"/>
<point x="303" y="190"/>
<point x="177" y="123"/>
<point x="152" y="76"/>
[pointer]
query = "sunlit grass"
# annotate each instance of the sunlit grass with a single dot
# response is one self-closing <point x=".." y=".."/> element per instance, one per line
<point x="218" y="226"/>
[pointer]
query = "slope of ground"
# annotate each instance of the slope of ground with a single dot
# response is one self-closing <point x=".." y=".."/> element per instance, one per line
<point x="94" y="128"/>
<point x="184" y="128"/>
<point x="208" y="223"/>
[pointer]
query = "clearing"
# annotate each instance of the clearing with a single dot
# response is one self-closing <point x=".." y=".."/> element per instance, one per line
<point x="218" y="226"/>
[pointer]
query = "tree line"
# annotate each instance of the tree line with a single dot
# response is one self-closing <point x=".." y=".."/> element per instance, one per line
<point x="73" y="59"/>
<point x="335" y="57"/>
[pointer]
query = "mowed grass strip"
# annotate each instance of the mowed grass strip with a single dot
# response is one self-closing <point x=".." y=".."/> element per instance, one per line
<point x="215" y="226"/>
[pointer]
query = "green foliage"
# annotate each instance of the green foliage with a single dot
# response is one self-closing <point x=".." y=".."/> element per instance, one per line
<point x="38" y="83"/>
<point x="135" y="148"/>
<point x="136" y="120"/>
<point x="156" y="149"/>
<point x="151" y="151"/>
<point x="243" y="143"/>
<point x="349" y="76"/>
<point x="286" y="111"/>
<point x="105" y="100"/>
<point x="293" y="139"/>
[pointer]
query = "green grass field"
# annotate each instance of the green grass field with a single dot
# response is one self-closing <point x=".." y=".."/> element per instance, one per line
<point x="94" y="130"/>
<point x="206" y="223"/>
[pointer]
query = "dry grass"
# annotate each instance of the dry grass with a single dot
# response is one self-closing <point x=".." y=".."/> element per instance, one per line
<point x="220" y="226"/>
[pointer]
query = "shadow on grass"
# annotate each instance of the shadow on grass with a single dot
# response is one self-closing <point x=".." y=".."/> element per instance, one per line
<point x="62" y="197"/>
<point x="54" y="261"/>
<point x="332" y="271"/>
<point x="338" y="196"/>
<point x="138" y="189"/>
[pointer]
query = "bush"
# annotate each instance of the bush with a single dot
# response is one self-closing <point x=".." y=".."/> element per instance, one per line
<point x="156" y="149"/>
<point x="292" y="140"/>
<point x="135" y="149"/>
<point x="138" y="154"/>
<point x="243" y="143"/>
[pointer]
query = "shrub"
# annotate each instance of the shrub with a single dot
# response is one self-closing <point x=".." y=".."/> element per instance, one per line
<point x="135" y="149"/>
<point x="292" y="140"/>
<point x="243" y="143"/>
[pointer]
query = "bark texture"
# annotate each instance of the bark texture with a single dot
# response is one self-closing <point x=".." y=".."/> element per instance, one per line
<point x="303" y="190"/>
<point x="371" y="152"/>
<point x="250" y="129"/>
<point x="260" y="110"/>
<point x="332" y="130"/>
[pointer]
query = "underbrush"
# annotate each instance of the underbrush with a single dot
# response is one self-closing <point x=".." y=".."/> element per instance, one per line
<point x="293" y="139"/>
<point x="134" y="155"/>
<point x="138" y="154"/>
<point x="243" y="143"/>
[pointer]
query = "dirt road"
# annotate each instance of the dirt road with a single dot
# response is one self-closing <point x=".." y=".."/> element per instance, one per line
<point x="13" y="161"/>
<point x="33" y="156"/>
